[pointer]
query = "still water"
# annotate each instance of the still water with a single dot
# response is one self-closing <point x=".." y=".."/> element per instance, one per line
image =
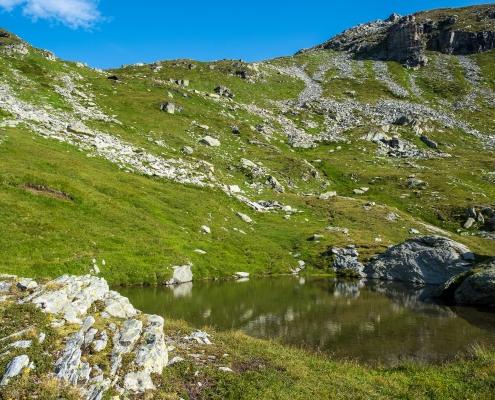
<point x="373" y="321"/>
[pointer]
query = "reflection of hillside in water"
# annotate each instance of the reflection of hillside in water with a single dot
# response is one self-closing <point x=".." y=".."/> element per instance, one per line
<point x="370" y="320"/>
<point x="409" y="295"/>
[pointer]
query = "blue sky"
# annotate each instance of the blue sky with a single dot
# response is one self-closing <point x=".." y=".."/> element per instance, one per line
<point x="108" y="33"/>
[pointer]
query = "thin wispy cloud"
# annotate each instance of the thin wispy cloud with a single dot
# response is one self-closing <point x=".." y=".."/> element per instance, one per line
<point x="73" y="13"/>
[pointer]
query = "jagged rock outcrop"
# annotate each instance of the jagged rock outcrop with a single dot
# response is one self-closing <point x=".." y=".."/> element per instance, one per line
<point x="461" y="42"/>
<point x="422" y="259"/>
<point x="87" y="302"/>
<point x="403" y="39"/>
<point x="404" y="43"/>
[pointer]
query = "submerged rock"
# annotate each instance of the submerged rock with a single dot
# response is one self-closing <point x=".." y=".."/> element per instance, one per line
<point x="422" y="259"/>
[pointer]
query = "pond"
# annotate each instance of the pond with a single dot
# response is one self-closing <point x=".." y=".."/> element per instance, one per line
<point x="368" y="320"/>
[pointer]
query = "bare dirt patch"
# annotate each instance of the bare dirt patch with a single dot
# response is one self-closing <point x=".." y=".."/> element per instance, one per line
<point x="47" y="191"/>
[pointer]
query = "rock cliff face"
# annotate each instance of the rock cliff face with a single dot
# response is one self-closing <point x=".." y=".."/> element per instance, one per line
<point x="461" y="42"/>
<point x="404" y="39"/>
<point x="404" y="43"/>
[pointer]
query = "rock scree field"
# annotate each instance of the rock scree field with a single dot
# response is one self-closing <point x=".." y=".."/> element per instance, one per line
<point x="369" y="156"/>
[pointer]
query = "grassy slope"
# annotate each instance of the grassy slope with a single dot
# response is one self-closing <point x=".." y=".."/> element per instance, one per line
<point x="142" y="226"/>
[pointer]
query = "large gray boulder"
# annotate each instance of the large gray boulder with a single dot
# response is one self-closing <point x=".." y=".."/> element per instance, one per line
<point x="479" y="288"/>
<point x="422" y="259"/>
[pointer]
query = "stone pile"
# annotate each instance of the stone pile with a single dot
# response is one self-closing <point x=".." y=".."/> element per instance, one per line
<point x="483" y="217"/>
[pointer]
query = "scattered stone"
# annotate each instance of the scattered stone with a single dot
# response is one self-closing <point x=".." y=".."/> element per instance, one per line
<point x="200" y="337"/>
<point x="209" y="141"/>
<point x="118" y="306"/>
<point x="416" y="183"/>
<point x="244" y="217"/>
<point x="48" y="55"/>
<point x="187" y="150"/>
<point x="247" y="163"/>
<point x="479" y="288"/>
<point x="79" y="127"/>
<point x="27" y="284"/>
<point x="430" y="143"/>
<point x="14" y="368"/>
<point x="168" y="107"/>
<point x="224" y="91"/>
<point x="100" y="344"/>
<point x="469" y="223"/>
<point x="393" y="217"/>
<point x="234" y="189"/>
<point x="275" y="184"/>
<point x="138" y="382"/>
<point x="175" y="360"/>
<point x="327" y="195"/>
<point x="21" y="344"/>
<point x="153" y="355"/>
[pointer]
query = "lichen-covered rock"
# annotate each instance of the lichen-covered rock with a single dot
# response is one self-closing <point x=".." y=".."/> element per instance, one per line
<point x="71" y="297"/>
<point x="126" y="338"/>
<point x="100" y="344"/>
<point x="138" y="382"/>
<point x="153" y="356"/>
<point x="118" y="306"/>
<point x="479" y="288"/>
<point x="68" y="364"/>
<point x="72" y="294"/>
<point x="422" y="259"/>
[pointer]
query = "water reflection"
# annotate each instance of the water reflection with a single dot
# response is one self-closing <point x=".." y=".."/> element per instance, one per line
<point x="184" y="290"/>
<point x="369" y="320"/>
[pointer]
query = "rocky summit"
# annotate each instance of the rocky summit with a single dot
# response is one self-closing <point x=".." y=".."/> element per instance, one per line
<point x="406" y="39"/>
<point x="370" y="155"/>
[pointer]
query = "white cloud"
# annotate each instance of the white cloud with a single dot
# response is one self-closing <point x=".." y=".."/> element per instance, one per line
<point x="73" y="13"/>
<point x="10" y="4"/>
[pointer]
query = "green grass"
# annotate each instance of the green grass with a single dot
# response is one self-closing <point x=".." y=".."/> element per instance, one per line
<point x="269" y="370"/>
